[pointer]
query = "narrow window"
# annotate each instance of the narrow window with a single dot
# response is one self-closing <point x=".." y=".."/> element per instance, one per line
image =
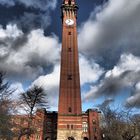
<point x="68" y="126"/>
<point x="69" y="77"/>
<point x="69" y="50"/>
<point x="72" y="126"/>
<point x="55" y="125"/>
<point x="69" y="33"/>
<point x="69" y="109"/>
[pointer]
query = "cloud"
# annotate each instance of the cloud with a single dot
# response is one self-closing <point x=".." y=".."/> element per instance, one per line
<point x="30" y="21"/>
<point x="128" y="62"/>
<point x="50" y="83"/>
<point x="110" y="38"/>
<point x="7" y="2"/>
<point x="10" y="32"/>
<point x="25" y="57"/>
<point x="17" y="87"/>
<point x="124" y="75"/>
<point x="111" y="31"/>
<point x="134" y="99"/>
<point x="32" y="14"/>
<point x="89" y="70"/>
<point x="90" y="94"/>
<point x="43" y="4"/>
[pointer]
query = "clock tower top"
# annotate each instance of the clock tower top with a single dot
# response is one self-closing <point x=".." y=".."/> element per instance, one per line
<point x="69" y="2"/>
<point x="69" y="9"/>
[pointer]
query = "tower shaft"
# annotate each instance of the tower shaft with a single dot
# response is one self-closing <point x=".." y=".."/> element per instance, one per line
<point x="69" y="78"/>
<point x="69" y="112"/>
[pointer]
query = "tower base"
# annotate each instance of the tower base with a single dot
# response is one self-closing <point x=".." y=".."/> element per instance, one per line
<point x="66" y="134"/>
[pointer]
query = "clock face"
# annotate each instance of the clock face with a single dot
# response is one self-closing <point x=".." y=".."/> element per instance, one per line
<point x="69" y="22"/>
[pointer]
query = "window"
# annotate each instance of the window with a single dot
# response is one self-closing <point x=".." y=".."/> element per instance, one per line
<point x="69" y="109"/>
<point x="72" y="126"/>
<point x="69" y="33"/>
<point x="69" y="77"/>
<point x="85" y="126"/>
<point x="94" y="121"/>
<point x="37" y="137"/>
<point x="69" y="50"/>
<point x="68" y="126"/>
<point x="55" y="126"/>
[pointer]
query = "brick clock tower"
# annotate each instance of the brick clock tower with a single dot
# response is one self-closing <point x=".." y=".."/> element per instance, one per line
<point x="69" y="123"/>
<point x="69" y="111"/>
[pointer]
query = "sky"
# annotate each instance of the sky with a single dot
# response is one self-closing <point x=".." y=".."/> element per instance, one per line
<point x="108" y="42"/>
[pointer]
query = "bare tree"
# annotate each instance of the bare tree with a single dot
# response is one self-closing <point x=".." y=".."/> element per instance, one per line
<point x="136" y="121"/>
<point x="31" y="99"/>
<point x="133" y="131"/>
<point x="118" y="124"/>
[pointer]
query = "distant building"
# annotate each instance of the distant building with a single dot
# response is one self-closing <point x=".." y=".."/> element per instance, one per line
<point x="69" y="123"/>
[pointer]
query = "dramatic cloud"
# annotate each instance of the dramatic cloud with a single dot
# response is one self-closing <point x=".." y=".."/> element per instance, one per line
<point x="108" y="43"/>
<point x="42" y="5"/>
<point x="134" y="99"/>
<point x="89" y="71"/>
<point x="7" y="2"/>
<point x="29" y="21"/>
<point x="26" y="57"/>
<point x="10" y="32"/>
<point x="17" y="88"/>
<point x="124" y="75"/>
<point x="128" y="62"/>
<point x="111" y="30"/>
<point x="110" y="37"/>
<point x="32" y="14"/>
<point x="50" y="83"/>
